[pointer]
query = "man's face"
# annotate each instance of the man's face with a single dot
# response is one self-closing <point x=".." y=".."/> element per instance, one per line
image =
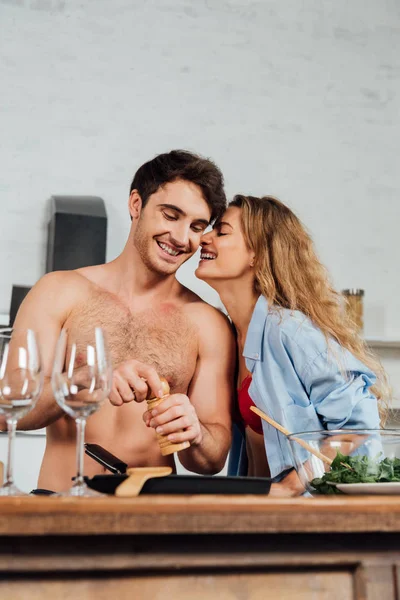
<point x="170" y="226"/>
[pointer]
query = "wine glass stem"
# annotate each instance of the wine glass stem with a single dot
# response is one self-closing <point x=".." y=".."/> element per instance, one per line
<point x="80" y="438"/>
<point x="11" y="427"/>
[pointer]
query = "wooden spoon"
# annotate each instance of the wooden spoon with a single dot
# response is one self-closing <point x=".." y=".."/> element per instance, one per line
<point x="137" y="478"/>
<point x="285" y="431"/>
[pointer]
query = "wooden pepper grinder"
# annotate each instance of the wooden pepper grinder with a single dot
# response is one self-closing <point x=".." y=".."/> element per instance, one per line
<point x="167" y="447"/>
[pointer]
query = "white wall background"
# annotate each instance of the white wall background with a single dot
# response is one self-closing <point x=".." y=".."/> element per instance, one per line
<point x="297" y="99"/>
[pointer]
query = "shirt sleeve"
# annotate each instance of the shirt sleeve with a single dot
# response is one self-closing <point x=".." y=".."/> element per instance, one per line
<point x="338" y="385"/>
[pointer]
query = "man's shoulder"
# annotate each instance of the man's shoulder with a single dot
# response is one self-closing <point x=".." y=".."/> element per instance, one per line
<point x="94" y="274"/>
<point x="204" y="315"/>
<point x="53" y="296"/>
<point x="196" y="305"/>
<point x="61" y="288"/>
<point x="65" y="279"/>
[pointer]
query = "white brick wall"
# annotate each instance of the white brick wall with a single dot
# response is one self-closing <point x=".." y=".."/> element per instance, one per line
<point x="298" y="99"/>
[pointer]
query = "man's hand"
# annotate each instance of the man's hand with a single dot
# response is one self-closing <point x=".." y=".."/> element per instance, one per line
<point x="176" y="418"/>
<point x="132" y="380"/>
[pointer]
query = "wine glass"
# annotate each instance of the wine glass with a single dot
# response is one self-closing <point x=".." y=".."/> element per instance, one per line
<point x="21" y="382"/>
<point x="81" y="381"/>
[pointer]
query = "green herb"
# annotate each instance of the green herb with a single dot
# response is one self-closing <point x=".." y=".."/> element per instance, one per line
<point x="357" y="469"/>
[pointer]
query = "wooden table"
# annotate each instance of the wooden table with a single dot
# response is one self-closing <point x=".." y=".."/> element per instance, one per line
<point x="200" y="547"/>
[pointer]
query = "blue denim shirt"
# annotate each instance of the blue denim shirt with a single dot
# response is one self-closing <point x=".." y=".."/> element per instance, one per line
<point x="303" y="382"/>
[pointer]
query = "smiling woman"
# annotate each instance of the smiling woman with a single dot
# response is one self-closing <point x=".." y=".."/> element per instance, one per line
<point x="227" y="244"/>
<point x="300" y="356"/>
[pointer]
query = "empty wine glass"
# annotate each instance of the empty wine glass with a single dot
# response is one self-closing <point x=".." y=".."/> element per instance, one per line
<point x="81" y="381"/>
<point x="21" y="381"/>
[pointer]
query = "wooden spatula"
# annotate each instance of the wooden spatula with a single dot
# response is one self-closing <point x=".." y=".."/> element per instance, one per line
<point x="137" y="477"/>
<point x="285" y="431"/>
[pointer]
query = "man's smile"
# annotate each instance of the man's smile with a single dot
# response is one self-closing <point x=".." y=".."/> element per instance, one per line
<point x="169" y="249"/>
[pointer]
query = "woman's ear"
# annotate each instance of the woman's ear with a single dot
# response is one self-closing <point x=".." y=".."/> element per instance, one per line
<point x="135" y="204"/>
<point x="252" y="260"/>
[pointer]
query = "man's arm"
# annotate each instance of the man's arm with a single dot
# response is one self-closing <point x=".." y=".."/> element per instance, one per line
<point x="207" y="417"/>
<point x="44" y="310"/>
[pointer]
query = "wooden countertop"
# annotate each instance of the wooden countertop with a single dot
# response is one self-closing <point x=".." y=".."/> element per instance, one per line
<point x="197" y="514"/>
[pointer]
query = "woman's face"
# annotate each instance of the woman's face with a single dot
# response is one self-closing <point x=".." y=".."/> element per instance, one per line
<point x="224" y="253"/>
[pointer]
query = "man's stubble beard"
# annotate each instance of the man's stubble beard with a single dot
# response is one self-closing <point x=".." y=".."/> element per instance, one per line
<point x="143" y="243"/>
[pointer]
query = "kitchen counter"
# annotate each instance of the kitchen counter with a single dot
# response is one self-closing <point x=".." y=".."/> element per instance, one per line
<point x="225" y="547"/>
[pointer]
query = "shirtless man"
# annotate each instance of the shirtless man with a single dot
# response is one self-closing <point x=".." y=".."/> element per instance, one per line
<point x="155" y="327"/>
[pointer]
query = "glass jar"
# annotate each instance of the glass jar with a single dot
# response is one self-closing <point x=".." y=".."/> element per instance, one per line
<point x="354" y="306"/>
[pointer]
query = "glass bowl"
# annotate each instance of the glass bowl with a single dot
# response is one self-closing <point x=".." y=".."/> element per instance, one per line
<point x="354" y="461"/>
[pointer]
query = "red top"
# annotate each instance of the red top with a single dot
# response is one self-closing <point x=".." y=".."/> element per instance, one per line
<point x="250" y="419"/>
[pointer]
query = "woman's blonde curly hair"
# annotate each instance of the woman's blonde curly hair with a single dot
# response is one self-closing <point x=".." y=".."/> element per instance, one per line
<point x="289" y="274"/>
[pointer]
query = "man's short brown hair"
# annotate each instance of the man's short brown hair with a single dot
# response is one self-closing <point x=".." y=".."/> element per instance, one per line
<point x="183" y="165"/>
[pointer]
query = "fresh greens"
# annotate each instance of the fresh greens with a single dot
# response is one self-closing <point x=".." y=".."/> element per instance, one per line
<point x="357" y="469"/>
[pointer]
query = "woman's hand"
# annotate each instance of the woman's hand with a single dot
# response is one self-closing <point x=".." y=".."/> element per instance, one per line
<point x="289" y="487"/>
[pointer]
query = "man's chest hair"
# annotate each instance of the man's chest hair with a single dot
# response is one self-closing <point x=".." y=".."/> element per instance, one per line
<point x="163" y="338"/>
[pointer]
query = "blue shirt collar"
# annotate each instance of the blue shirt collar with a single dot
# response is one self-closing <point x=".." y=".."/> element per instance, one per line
<point x="253" y="344"/>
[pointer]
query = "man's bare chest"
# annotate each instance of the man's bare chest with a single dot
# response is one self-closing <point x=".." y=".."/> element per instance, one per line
<point x="163" y="337"/>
